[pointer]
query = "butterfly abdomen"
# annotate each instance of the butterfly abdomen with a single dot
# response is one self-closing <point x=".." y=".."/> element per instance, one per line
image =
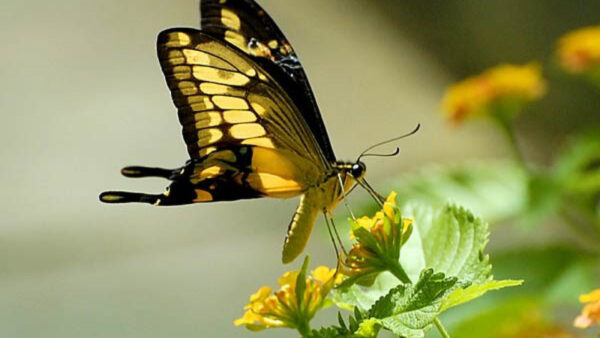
<point x="316" y="200"/>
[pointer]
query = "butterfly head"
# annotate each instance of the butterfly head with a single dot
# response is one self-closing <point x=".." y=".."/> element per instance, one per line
<point x="358" y="170"/>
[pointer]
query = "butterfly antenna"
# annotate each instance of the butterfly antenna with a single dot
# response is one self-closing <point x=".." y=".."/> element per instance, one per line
<point x="396" y="152"/>
<point x="365" y="152"/>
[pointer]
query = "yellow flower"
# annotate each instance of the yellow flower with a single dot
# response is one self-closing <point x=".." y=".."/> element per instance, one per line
<point x="506" y="86"/>
<point x="590" y="315"/>
<point x="390" y="205"/>
<point x="282" y="308"/>
<point x="378" y="242"/>
<point x="377" y="221"/>
<point x="579" y="51"/>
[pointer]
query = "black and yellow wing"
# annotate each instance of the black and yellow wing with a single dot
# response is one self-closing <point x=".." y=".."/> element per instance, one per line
<point x="247" y="26"/>
<point x="245" y="136"/>
<point x="250" y="122"/>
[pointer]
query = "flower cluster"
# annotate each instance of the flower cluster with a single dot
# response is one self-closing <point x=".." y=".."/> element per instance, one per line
<point x="378" y="243"/>
<point x="505" y="87"/>
<point x="579" y="51"/>
<point x="294" y="304"/>
<point x="590" y="315"/>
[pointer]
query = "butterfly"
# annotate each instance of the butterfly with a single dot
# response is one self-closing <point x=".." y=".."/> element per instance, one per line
<point x="250" y="121"/>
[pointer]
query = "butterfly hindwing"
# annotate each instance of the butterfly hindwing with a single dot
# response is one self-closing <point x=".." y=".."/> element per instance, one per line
<point x="227" y="174"/>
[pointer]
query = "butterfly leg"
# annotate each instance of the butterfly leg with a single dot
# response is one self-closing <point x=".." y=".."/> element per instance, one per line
<point x="337" y="253"/>
<point x="139" y="172"/>
<point x="197" y="182"/>
<point x="329" y="216"/>
<point x="179" y="192"/>
<point x="128" y="197"/>
<point x="344" y="196"/>
<point x="376" y="196"/>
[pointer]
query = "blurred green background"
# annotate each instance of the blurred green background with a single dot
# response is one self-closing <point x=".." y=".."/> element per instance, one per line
<point x="82" y="95"/>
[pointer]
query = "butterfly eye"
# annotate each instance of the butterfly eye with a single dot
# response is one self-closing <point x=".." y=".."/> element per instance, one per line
<point x="358" y="170"/>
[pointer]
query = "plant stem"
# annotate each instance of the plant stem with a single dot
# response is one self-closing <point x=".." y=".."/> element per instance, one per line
<point x="509" y="131"/>
<point x="304" y="328"/>
<point x="441" y="328"/>
<point x="396" y="269"/>
<point x="588" y="237"/>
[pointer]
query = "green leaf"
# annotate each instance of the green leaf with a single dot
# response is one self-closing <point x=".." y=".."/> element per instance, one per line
<point x="368" y="328"/>
<point x="452" y="241"/>
<point x="578" y="171"/>
<point x="341" y="321"/>
<point x="553" y="276"/>
<point x="364" y="236"/>
<point x="463" y="295"/>
<point x="506" y="318"/>
<point x="358" y="327"/>
<point x="578" y="278"/>
<point x="545" y="193"/>
<point x="409" y="310"/>
<point x="301" y="282"/>
<point x="330" y="332"/>
<point x="581" y="156"/>
<point x="449" y="240"/>
<point x="495" y="190"/>
<point x="555" y="273"/>
<point x="354" y="296"/>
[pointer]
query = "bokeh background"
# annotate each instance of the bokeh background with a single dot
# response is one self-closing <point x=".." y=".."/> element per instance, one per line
<point x="82" y="95"/>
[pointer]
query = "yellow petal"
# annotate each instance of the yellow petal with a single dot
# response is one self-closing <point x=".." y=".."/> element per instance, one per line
<point x="589" y="316"/>
<point x="261" y="294"/>
<point x="593" y="296"/>
<point x="392" y="198"/>
<point x="390" y="205"/>
<point x="323" y="274"/>
<point x="473" y="96"/>
<point x="249" y="318"/>
<point x="582" y="321"/>
<point x="407" y="223"/>
<point x="339" y="278"/>
<point x="579" y="50"/>
<point x="365" y="222"/>
<point x="288" y="278"/>
<point x="257" y="299"/>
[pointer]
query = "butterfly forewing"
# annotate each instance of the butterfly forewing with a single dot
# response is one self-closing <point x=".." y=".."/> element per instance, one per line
<point x="227" y="103"/>
<point x="245" y="25"/>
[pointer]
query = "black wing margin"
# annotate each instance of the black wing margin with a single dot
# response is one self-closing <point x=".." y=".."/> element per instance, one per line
<point x="247" y="26"/>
